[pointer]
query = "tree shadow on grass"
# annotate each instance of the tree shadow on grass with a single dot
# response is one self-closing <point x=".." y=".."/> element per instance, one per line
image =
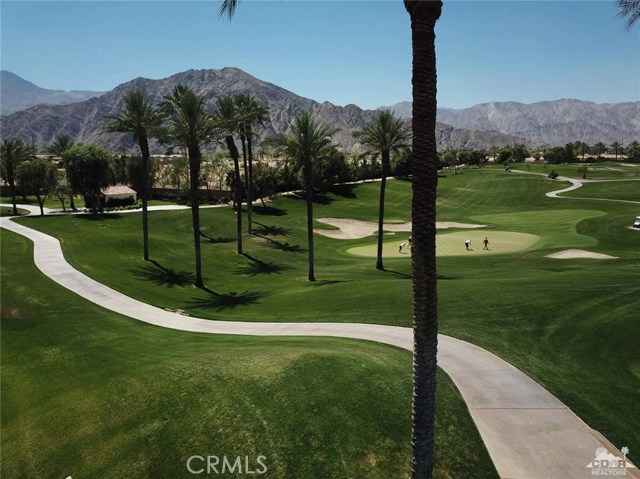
<point x="222" y="301"/>
<point x="346" y="191"/>
<point x="285" y="246"/>
<point x="269" y="211"/>
<point x="398" y="274"/>
<point x="325" y="282"/>
<point x="162" y="276"/>
<point x="319" y="198"/>
<point x="222" y="239"/>
<point x="99" y="216"/>
<point x="445" y="277"/>
<point x="260" y="267"/>
<point x="265" y="230"/>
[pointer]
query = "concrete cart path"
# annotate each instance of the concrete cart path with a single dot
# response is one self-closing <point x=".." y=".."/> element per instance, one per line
<point x="575" y="184"/>
<point x="528" y="432"/>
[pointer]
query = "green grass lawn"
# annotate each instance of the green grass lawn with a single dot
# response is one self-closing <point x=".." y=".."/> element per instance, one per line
<point x="88" y="393"/>
<point x="8" y="211"/>
<point x="617" y="190"/>
<point x="49" y="202"/>
<point x="572" y="325"/>
<point x="605" y="170"/>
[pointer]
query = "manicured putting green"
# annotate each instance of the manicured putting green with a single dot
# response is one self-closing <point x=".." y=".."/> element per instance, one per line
<point x="452" y="244"/>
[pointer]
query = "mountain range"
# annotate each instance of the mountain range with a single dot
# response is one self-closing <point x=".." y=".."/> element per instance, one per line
<point x="19" y="94"/>
<point x="553" y="122"/>
<point x="83" y="120"/>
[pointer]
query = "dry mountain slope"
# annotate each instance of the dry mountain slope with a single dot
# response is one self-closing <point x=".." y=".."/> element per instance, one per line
<point x="18" y="94"/>
<point x="553" y="123"/>
<point x="82" y="121"/>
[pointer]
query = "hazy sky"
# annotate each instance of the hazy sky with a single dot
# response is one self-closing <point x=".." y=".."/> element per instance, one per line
<point x="341" y="51"/>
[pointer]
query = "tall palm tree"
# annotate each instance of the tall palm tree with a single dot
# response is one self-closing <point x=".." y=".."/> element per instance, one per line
<point x="13" y="152"/>
<point x="138" y="117"/>
<point x="424" y="168"/>
<point x="228" y="122"/>
<point x="251" y="112"/>
<point x="308" y="142"/>
<point x="57" y="147"/>
<point x="633" y="151"/>
<point x="424" y="14"/>
<point x="191" y="128"/>
<point x="629" y="9"/>
<point x="383" y="135"/>
<point x="615" y="146"/>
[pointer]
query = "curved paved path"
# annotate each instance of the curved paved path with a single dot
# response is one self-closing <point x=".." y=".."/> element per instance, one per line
<point x="575" y="184"/>
<point x="529" y="433"/>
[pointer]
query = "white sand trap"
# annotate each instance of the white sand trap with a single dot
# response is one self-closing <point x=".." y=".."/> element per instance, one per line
<point x="355" y="229"/>
<point x="578" y="253"/>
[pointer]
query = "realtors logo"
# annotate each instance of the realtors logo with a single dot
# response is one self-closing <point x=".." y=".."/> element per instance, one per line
<point x="607" y="464"/>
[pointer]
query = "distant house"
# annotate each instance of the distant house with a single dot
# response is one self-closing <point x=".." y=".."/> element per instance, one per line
<point x="114" y="196"/>
<point x="118" y="195"/>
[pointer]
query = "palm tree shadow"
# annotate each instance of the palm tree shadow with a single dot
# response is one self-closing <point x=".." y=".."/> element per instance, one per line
<point x="319" y="198"/>
<point x="269" y="211"/>
<point x="271" y="243"/>
<point x="346" y="191"/>
<point x="98" y="216"/>
<point x="260" y="267"/>
<point x="222" y="239"/>
<point x="222" y="301"/>
<point x="398" y="274"/>
<point x="325" y="282"/>
<point x="162" y="276"/>
<point x="265" y="230"/>
<point x="285" y="246"/>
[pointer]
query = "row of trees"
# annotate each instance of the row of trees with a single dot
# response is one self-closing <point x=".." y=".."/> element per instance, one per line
<point x="310" y="159"/>
<point x="181" y="120"/>
<point x="569" y="153"/>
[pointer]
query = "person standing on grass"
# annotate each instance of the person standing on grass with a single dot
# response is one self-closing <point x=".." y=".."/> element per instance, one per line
<point x="486" y="243"/>
<point x="467" y="244"/>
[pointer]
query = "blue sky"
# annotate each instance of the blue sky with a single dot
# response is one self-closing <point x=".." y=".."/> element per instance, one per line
<point x="340" y="51"/>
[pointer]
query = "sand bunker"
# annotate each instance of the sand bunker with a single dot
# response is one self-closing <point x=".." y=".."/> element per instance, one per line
<point x="578" y="253"/>
<point x="354" y="229"/>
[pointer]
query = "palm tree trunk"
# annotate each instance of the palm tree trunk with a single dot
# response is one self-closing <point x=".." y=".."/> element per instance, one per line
<point x="424" y="15"/>
<point x="72" y="203"/>
<point x="12" y="189"/>
<point x="144" y="194"/>
<point x="233" y="150"/>
<point x="250" y="184"/>
<point x="383" y="187"/>
<point x="194" y="172"/>
<point x="243" y="143"/>
<point x="41" y="204"/>
<point x="309" y="195"/>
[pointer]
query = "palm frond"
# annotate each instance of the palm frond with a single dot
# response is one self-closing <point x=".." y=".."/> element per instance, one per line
<point x="228" y="8"/>
<point x="629" y="9"/>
